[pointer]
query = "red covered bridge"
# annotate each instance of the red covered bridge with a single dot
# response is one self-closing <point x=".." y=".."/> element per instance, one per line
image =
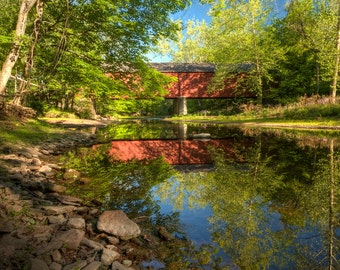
<point x="193" y="81"/>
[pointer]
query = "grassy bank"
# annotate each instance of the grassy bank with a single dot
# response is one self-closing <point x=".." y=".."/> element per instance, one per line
<point x="305" y="115"/>
<point x="28" y="132"/>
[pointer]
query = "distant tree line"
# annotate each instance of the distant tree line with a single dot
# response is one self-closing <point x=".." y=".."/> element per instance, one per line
<point x="292" y="52"/>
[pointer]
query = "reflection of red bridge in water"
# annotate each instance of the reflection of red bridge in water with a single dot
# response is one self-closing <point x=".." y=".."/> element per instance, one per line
<point x="175" y="152"/>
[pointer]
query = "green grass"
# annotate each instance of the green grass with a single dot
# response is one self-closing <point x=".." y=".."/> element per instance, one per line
<point x="313" y="115"/>
<point x="29" y="132"/>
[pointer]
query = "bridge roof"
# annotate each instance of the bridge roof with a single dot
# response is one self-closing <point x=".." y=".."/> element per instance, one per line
<point x="184" y="67"/>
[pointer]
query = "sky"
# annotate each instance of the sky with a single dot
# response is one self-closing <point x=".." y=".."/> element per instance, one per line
<point x="198" y="11"/>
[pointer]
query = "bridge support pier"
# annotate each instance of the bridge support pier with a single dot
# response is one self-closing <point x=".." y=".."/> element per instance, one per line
<point x="180" y="106"/>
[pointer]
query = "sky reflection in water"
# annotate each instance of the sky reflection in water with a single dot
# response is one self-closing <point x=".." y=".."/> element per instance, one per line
<point x="272" y="201"/>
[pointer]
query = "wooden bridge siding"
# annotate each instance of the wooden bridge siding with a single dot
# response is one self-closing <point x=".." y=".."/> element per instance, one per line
<point x="195" y="85"/>
<point x="175" y="152"/>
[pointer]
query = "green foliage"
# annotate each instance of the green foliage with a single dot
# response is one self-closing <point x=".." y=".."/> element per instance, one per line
<point x="108" y="176"/>
<point x="79" y="43"/>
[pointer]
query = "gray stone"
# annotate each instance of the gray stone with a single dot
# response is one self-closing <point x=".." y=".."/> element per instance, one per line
<point x="92" y="244"/>
<point x="71" y="238"/>
<point x="37" y="264"/>
<point x="56" y="266"/>
<point x="56" y="256"/>
<point x="93" y="266"/>
<point x="113" y="240"/>
<point x="51" y="246"/>
<point x="76" y="265"/>
<point x="76" y="223"/>
<point x="109" y="256"/>
<point x="118" y="224"/>
<point x="58" y="210"/>
<point x="118" y="266"/>
<point x="45" y="169"/>
<point x="60" y="219"/>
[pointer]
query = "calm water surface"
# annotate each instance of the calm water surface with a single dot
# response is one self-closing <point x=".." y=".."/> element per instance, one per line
<point x="240" y="198"/>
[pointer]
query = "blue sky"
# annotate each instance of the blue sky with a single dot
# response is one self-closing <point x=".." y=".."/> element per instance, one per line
<point x="197" y="11"/>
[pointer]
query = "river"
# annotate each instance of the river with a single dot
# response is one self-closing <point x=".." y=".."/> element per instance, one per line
<point x="231" y="197"/>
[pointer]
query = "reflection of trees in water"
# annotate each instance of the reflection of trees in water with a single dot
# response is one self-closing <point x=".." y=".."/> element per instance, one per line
<point x="128" y="186"/>
<point x="278" y="209"/>
<point x="322" y="203"/>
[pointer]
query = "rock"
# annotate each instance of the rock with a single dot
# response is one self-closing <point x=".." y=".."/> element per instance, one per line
<point x="51" y="187"/>
<point x="43" y="232"/>
<point x="127" y="263"/>
<point x="36" y="161"/>
<point x="51" y="246"/>
<point x="69" y="200"/>
<point x="113" y="240"/>
<point x="76" y="265"/>
<point x="36" y="264"/>
<point x="118" y="266"/>
<point x="76" y="223"/>
<point x="56" y="256"/>
<point x="57" y="210"/>
<point x="60" y="219"/>
<point x="71" y="238"/>
<point x="56" y="266"/>
<point x="109" y="256"/>
<point x="45" y="169"/>
<point x="17" y="243"/>
<point x="93" y="266"/>
<point x="92" y="244"/>
<point x="117" y="223"/>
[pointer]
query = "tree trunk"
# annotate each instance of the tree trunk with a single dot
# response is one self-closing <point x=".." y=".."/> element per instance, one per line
<point x="30" y="59"/>
<point x="337" y="59"/>
<point x="13" y="55"/>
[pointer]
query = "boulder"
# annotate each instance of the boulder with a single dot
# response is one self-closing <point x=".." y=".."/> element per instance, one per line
<point x="118" y="224"/>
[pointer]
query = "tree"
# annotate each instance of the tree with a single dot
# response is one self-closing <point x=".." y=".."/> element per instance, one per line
<point x="80" y="41"/>
<point x="25" y="8"/>
<point x="308" y="34"/>
<point x="337" y="59"/>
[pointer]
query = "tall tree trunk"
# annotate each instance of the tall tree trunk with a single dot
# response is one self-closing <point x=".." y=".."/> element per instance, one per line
<point x="30" y="59"/>
<point x="13" y="55"/>
<point x="337" y="59"/>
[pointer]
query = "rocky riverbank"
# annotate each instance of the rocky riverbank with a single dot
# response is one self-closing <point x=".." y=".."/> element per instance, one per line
<point x="42" y="228"/>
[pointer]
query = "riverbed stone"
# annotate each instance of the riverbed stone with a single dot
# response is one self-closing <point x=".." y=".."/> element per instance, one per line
<point x="109" y="256"/>
<point x="76" y="265"/>
<point x="76" y="223"/>
<point x="92" y="244"/>
<point x="71" y="238"/>
<point x="118" y="266"/>
<point x="56" y="266"/>
<point x="58" y="210"/>
<point x="37" y="264"/>
<point x="95" y="265"/>
<point x="117" y="223"/>
<point x="60" y="219"/>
